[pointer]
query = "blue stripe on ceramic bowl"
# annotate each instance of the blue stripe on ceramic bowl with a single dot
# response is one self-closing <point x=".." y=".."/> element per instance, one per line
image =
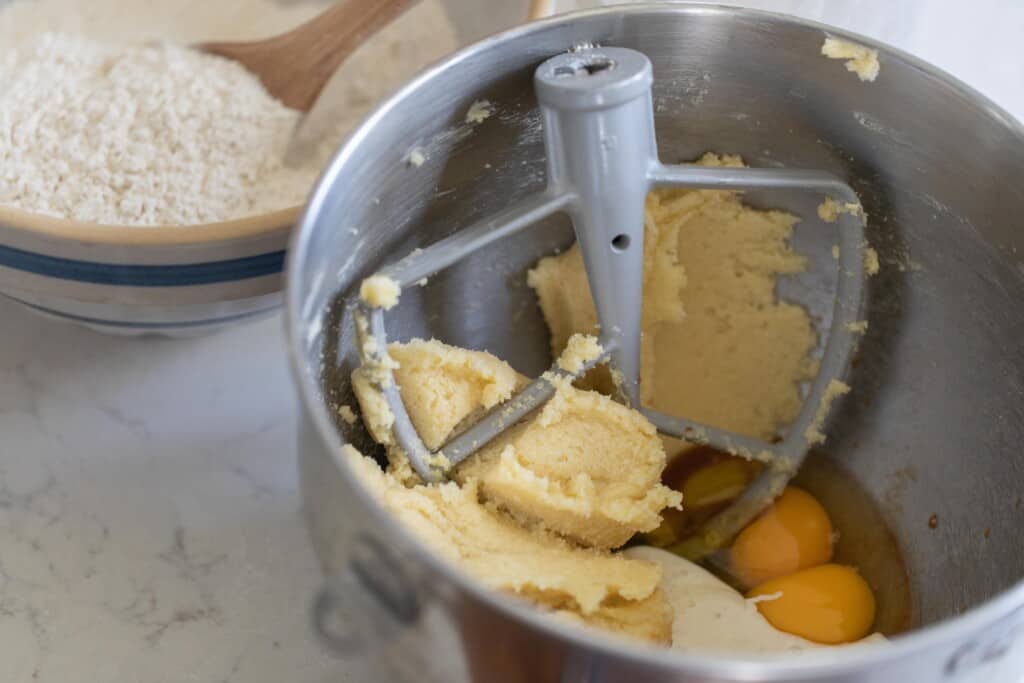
<point x="177" y="280"/>
<point x="142" y="275"/>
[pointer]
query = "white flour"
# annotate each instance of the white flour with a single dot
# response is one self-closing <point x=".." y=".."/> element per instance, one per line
<point x="104" y="129"/>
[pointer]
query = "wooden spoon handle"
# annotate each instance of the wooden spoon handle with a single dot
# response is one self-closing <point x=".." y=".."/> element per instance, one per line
<point x="538" y="9"/>
<point x="295" y="66"/>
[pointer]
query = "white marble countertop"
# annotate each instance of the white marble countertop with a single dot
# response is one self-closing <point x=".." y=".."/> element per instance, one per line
<point x="149" y="512"/>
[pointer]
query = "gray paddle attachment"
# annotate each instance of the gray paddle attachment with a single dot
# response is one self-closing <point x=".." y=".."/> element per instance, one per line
<point x="602" y="160"/>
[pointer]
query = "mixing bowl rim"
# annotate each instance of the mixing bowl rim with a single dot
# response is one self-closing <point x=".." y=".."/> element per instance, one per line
<point x="44" y="226"/>
<point x="808" y="665"/>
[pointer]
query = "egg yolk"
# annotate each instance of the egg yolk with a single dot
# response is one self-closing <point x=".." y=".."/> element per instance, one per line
<point x="830" y="604"/>
<point x="793" y="534"/>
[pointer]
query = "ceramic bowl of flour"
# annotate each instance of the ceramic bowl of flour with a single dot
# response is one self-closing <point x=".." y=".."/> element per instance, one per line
<point x="154" y="190"/>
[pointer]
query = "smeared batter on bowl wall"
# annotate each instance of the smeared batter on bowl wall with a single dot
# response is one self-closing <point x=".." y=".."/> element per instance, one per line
<point x="717" y="347"/>
<point x="619" y="593"/>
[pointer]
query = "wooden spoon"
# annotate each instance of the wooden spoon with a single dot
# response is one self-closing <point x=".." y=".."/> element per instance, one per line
<point x="539" y="9"/>
<point x="295" y="66"/>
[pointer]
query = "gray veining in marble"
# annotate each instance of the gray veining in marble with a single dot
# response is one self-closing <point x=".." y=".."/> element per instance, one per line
<point x="149" y="513"/>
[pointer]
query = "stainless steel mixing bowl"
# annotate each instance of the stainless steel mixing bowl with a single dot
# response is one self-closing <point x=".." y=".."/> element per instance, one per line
<point x="934" y="425"/>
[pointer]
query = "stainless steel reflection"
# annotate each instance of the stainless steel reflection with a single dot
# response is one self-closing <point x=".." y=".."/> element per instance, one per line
<point x="936" y="418"/>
